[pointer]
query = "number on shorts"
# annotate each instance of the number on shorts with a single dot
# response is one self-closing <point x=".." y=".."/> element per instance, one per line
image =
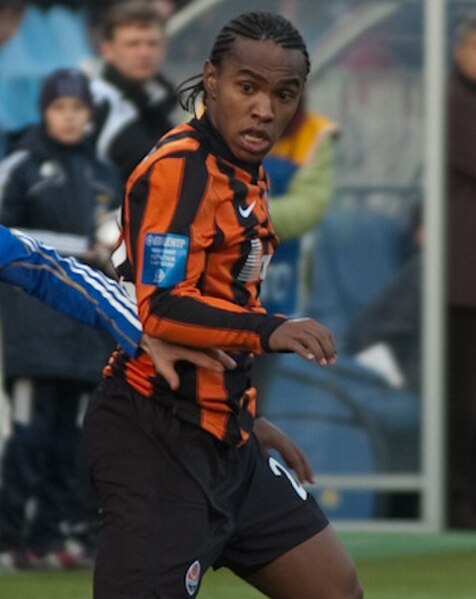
<point x="277" y="469"/>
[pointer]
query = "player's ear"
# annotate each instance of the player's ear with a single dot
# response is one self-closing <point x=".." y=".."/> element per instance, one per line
<point x="210" y="79"/>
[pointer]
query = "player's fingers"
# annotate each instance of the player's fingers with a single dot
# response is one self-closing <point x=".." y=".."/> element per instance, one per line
<point x="309" y="348"/>
<point x="325" y="340"/>
<point x="320" y="350"/>
<point x="305" y="470"/>
<point x="224" y="359"/>
<point x="202" y="359"/>
<point x="167" y="370"/>
<point x="297" y="460"/>
<point x="302" y="350"/>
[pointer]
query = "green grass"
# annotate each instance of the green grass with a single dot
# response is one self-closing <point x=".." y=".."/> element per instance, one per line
<point x="390" y="566"/>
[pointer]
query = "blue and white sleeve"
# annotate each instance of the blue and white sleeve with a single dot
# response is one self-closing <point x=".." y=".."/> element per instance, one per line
<point x="72" y="288"/>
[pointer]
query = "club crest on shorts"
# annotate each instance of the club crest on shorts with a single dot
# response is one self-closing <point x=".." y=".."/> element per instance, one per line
<point x="192" y="577"/>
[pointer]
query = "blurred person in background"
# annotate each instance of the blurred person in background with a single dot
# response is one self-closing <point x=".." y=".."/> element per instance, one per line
<point x="461" y="218"/>
<point x="54" y="187"/>
<point x="34" y="41"/>
<point x="167" y="8"/>
<point x="133" y="99"/>
<point x="301" y="171"/>
<point x="11" y="14"/>
<point x="95" y="15"/>
<point x="391" y="321"/>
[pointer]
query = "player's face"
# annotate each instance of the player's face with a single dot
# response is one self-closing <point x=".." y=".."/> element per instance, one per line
<point x="252" y="95"/>
<point x="465" y="56"/>
<point x="135" y="51"/>
<point x="66" y="120"/>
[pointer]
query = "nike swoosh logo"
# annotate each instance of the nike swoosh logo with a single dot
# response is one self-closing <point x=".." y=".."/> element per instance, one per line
<point x="245" y="212"/>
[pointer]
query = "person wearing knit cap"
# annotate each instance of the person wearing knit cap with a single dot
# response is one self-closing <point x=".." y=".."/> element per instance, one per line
<point x="62" y="83"/>
<point x="66" y="106"/>
<point x="56" y="190"/>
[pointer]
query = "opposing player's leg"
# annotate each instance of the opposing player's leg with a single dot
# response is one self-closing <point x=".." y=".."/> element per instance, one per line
<point x="318" y="568"/>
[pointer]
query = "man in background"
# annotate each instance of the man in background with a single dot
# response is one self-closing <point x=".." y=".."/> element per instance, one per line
<point x="133" y="100"/>
<point x="461" y="217"/>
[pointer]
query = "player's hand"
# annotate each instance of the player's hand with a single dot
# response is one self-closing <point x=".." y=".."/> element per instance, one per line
<point x="164" y="355"/>
<point x="305" y="337"/>
<point x="274" y="438"/>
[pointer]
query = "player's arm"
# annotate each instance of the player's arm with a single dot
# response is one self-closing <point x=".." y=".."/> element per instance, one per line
<point x="272" y="437"/>
<point x="69" y="286"/>
<point x="166" y="207"/>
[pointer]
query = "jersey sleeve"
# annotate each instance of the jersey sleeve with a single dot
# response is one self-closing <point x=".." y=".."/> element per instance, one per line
<point x="169" y="230"/>
<point x="69" y="286"/>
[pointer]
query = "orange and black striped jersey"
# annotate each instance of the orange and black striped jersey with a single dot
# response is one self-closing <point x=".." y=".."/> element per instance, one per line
<point x="198" y="239"/>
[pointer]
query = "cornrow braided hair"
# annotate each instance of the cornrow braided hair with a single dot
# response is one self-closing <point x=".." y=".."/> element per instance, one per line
<point x="255" y="25"/>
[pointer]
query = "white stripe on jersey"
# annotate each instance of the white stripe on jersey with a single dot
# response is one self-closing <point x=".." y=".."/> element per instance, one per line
<point x="109" y="290"/>
<point x="67" y="244"/>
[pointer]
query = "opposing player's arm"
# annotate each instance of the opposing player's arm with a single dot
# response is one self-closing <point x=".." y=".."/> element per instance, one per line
<point x="69" y="286"/>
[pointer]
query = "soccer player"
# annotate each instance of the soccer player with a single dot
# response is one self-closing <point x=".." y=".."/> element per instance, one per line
<point x="182" y="482"/>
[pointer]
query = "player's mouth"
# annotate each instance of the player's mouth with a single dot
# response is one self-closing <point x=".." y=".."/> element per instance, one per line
<point x="255" y="141"/>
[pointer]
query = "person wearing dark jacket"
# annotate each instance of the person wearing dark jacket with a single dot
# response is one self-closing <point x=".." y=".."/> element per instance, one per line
<point x="461" y="214"/>
<point x="133" y="100"/>
<point x="55" y="188"/>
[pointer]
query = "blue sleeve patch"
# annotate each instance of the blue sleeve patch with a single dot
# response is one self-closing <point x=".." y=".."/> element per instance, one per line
<point x="165" y="259"/>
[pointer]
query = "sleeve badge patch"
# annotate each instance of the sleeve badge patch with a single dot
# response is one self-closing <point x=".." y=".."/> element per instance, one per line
<point x="165" y="259"/>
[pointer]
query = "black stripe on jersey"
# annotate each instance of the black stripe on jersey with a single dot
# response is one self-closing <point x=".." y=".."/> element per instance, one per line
<point x="240" y="294"/>
<point x="255" y="177"/>
<point x="175" y="137"/>
<point x="235" y="388"/>
<point x="262" y="193"/>
<point x="240" y="191"/>
<point x="194" y="184"/>
<point x="218" y="238"/>
<point x="137" y="206"/>
<point x="180" y="154"/>
<point x="187" y="310"/>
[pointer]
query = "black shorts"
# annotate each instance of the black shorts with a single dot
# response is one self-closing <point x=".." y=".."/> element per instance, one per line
<point x="174" y="500"/>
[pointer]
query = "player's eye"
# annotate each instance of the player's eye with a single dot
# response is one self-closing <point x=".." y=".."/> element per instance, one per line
<point x="246" y="87"/>
<point x="286" y="95"/>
